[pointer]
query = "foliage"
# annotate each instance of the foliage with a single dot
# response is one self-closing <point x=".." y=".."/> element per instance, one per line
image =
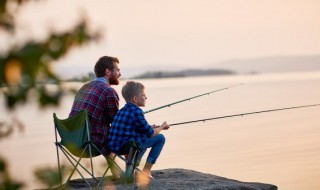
<point x="27" y="67"/>
<point x="25" y="70"/>
<point x="5" y="180"/>
<point x="50" y="176"/>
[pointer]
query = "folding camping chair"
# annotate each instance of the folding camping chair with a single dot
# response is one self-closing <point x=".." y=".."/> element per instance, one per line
<point x="75" y="144"/>
<point x="75" y="141"/>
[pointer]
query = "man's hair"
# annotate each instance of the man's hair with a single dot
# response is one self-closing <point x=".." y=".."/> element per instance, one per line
<point x="131" y="89"/>
<point x="104" y="62"/>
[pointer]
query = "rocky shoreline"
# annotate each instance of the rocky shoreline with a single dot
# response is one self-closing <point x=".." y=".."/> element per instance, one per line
<point x="177" y="179"/>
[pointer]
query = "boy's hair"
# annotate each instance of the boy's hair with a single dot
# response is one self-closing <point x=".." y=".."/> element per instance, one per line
<point x="131" y="89"/>
<point x="104" y="62"/>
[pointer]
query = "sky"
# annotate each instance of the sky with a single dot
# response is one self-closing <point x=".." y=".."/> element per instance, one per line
<point x="169" y="34"/>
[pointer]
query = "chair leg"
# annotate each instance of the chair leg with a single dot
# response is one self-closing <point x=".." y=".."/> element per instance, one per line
<point x="66" y="152"/>
<point x="58" y="158"/>
<point x="111" y="163"/>
<point x="128" y="176"/>
<point x="76" y="169"/>
<point x="132" y="160"/>
<point x="91" y="163"/>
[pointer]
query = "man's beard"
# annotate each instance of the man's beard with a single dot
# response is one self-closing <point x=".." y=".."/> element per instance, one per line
<point x="114" y="80"/>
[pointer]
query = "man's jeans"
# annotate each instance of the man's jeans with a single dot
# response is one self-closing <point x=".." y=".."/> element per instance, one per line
<point x="155" y="143"/>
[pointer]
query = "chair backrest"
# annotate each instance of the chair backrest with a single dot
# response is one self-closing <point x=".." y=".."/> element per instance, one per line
<point x="75" y="133"/>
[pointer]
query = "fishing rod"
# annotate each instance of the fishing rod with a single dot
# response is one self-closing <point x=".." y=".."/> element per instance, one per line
<point x="243" y="114"/>
<point x="180" y="101"/>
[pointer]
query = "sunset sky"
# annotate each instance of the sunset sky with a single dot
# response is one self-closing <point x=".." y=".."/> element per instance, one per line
<point x="179" y="33"/>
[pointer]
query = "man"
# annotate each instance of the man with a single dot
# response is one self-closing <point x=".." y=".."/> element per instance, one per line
<point x="101" y="101"/>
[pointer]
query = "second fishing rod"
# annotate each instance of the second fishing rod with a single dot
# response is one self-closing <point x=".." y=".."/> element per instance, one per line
<point x="190" y="98"/>
<point x="244" y="114"/>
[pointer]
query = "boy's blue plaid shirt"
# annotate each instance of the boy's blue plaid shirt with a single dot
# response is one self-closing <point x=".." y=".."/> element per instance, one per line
<point x="129" y="123"/>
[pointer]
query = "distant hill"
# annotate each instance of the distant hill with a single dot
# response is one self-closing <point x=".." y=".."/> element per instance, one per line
<point x="236" y="66"/>
<point x="271" y="64"/>
<point x="184" y="73"/>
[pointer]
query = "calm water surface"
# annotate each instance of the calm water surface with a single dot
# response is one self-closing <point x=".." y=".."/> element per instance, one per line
<point x="281" y="148"/>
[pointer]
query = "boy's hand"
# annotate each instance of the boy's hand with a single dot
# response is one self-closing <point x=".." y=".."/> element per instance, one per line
<point x="165" y="126"/>
<point x="155" y="126"/>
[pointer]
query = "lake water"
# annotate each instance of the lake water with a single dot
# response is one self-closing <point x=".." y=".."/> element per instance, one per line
<point x="281" y="148"/>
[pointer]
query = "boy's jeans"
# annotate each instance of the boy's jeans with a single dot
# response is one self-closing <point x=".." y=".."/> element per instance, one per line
<point x="156" y="144"/>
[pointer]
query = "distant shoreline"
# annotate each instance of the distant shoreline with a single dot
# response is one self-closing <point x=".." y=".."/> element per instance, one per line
<point x="184" y="73"/>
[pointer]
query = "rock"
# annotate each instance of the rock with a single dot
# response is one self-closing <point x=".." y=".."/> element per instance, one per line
<point x="176" y="179"/>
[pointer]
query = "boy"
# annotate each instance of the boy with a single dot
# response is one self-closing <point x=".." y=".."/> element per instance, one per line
<point x="130" y="124"/>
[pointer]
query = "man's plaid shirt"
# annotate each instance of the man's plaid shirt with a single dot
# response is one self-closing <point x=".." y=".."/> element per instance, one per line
<point x="129" y="123"/>
<point x="102" y="103"/>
